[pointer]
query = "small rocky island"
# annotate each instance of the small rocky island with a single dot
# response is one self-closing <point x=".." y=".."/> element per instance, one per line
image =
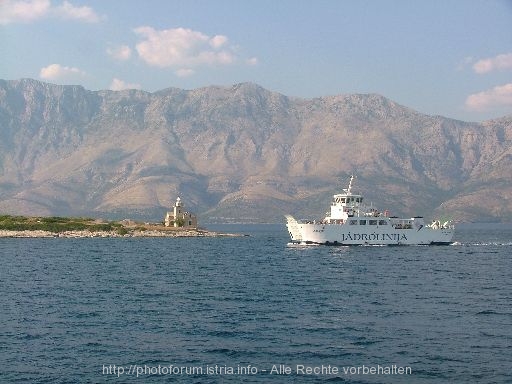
<point x="177" y="223"/>
<point x="76" y="227"/>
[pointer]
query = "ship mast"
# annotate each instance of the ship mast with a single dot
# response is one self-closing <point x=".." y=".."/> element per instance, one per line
<point x="348" y="191"/>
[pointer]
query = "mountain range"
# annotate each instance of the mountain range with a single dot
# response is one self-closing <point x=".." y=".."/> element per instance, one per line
<point x="241" y="154"/>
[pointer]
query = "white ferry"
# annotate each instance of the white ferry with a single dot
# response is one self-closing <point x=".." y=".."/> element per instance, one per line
<point x="352" y="222"/>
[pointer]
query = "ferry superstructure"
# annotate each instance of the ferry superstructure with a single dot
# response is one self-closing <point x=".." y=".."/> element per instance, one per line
<point x="351" y="222"/>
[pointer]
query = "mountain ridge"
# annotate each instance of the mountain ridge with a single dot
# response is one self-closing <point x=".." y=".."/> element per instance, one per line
<point x="241" y="153"/>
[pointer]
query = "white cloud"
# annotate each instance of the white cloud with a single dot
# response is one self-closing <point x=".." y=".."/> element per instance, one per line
<point x="16" y="11"/>
<point x="69" y="11"/>
<point x="184" y="72"/>
<point x="218" y="41"/>
<point x="500" y="62"/>
<point x="498" y="96"/>
<point x="23" y="11"/>
<point x="252" y="61"/>
<point x="122" y="52"/>
<point x="182" y="48"/>
<point x="119" y="85"/>
<point x="59" y="72"/>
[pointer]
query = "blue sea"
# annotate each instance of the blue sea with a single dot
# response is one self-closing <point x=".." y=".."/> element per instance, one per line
<point x="255" y="309"/>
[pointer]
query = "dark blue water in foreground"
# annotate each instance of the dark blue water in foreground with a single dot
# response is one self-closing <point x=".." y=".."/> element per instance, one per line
<point x="107" y="310"/>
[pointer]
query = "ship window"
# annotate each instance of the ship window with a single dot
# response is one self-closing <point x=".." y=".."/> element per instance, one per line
<point x="372" y="222"/>
<point x="353" y="222"/>
<point x="362" y="222"/>
<point x="383" y="222"/>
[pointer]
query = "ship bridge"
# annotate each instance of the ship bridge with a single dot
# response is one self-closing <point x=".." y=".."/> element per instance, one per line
<point x="345" y="205"/>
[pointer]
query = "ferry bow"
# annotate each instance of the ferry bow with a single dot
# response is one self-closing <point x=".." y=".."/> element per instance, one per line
<point x="351" y="222"/>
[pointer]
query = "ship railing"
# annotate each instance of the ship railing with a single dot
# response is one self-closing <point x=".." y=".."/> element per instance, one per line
<point x="322" y="222"/>
<point x="436" y="224"/>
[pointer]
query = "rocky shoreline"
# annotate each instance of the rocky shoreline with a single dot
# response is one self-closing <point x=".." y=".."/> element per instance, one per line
<point x="108" y="234"/>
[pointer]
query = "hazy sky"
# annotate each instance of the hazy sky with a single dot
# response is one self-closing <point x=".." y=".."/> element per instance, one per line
<point x="440" y="57"/>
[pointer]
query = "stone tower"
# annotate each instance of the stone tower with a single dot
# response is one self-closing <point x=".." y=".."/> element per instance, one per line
<point x="179" y="217"/>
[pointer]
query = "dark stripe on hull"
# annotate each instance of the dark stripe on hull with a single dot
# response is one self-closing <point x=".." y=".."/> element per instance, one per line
<point x="335" y="243"/>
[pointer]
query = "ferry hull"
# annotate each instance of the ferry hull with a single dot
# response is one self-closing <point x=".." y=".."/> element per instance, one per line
<point x="342" y="234"/>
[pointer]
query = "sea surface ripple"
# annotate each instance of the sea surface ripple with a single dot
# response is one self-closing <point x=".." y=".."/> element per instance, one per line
<point x="78" y="310"/>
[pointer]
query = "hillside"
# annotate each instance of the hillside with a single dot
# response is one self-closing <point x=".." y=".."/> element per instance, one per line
<point x="241" y="153"/>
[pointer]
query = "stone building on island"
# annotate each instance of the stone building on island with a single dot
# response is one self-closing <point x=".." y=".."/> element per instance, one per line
<point x="178" y="217"/>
